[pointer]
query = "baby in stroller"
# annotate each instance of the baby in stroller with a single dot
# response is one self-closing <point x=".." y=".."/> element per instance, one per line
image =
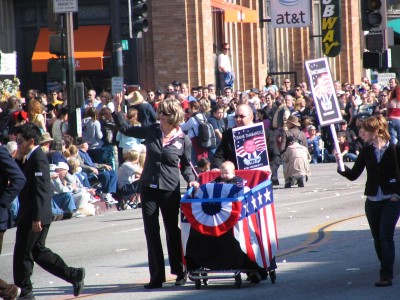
<point x="228" y="176"/>
<point x="128" y="175"/>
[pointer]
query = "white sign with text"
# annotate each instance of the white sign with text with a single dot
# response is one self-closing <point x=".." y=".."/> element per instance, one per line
<point x="65" y="6"/>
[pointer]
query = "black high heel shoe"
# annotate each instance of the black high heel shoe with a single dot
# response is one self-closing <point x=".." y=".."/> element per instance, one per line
<point x="153" y="285"/>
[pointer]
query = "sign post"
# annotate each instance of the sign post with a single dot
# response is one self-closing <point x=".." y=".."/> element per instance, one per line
<point x="324" y="95"/>
<point x="69" y="7"/>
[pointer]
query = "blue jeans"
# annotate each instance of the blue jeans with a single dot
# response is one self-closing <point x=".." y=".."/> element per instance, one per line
<point x="350" y="156"/>
<point x="382" y="218"/>
<point x="394" y="130"/>
<point x="64" y="201"/>
<point x="83" y="178"/>
<point x="316" y="150"/>
<point x="108" y="180"/>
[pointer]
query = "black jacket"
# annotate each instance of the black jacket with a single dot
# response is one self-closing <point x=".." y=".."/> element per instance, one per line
<point x="381" y="174"/>
<point x="12" y="180"/>
<point x="161" y="167"/>
<point x="35" y="197"/>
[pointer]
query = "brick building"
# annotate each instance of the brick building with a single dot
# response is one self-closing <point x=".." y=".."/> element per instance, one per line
<point x="185" y="36"/>
<point x="184" y="39"/>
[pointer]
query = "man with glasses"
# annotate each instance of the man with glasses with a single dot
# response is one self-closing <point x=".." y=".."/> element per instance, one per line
<point x="226" y="76"/>
<point x="286" y="88"/>
<point x="298" y="92"/>
<point x="226" y="149"/>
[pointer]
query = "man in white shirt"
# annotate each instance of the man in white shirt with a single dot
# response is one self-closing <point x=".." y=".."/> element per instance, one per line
<point x="224" y="66"/>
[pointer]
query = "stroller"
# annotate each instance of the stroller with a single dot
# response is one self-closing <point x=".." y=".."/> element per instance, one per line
<point x="227" y="231"/>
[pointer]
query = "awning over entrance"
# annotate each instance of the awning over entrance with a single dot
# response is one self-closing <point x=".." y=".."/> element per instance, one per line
<point x="90" y="48"/>
<point x="395" y="24"/>
<point x="236" y="13"/>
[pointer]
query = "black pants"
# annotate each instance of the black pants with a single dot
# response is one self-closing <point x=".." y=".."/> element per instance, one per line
<point x="30" y="247"/>
<point x="168" y="202"/>
<point x="382" y="218"/>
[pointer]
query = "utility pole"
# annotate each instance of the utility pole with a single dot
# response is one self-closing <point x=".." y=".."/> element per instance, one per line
<point x="71" y="82"/>
<point x="118" y="65"/>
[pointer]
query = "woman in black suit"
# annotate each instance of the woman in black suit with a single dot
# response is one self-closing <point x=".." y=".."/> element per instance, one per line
<point x="382" y="207"/>
<point x="168" y="152"/>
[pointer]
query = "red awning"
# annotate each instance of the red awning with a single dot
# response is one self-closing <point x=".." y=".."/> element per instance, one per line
<point x="90" y="48"/>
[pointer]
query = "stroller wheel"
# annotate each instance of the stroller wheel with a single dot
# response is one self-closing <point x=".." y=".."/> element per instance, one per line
<point x="205" y="281"/>
<point x="272" y="275"/>
<point x="238" y="281"/>
<point x="197" y="284"/>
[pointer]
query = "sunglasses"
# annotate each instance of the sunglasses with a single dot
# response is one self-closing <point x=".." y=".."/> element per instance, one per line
<point x="239" y="116"/>
<point x="287" y="81"/>
<point x="226" y="48"/>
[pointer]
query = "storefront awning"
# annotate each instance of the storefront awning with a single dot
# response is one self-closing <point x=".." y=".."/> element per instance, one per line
<point x="236" y="13"/>
<point x="395" y="24"/>
<point x="90" y="48"/>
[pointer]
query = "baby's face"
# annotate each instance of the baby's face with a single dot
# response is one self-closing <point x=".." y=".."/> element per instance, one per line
<point x="227" y="173"/>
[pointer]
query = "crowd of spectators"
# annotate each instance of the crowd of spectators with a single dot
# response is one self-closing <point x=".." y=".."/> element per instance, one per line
<point x="95" y="159"/>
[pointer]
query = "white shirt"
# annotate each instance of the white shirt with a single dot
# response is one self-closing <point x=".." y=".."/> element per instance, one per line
<point x="224" y="62"/>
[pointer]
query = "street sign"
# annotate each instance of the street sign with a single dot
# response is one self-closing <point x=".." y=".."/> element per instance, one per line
<point x="125" y="45"/>
<point x="65" y="6"/>
<point x="382" y="78"/>
<point x="117" y="85"/>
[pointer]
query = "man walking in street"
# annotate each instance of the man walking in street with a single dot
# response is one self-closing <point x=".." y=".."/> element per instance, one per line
<point x="34" y="218"/>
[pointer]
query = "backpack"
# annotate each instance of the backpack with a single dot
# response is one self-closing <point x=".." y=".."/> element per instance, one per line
<point x="206" y="137"/>
<point x="298" y="139"/>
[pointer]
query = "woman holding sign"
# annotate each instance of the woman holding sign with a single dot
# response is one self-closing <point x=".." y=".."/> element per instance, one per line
<point x="382" y="207"/>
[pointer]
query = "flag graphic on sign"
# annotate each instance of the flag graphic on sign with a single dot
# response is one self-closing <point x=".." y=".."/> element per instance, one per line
<point x="256" y="228"/>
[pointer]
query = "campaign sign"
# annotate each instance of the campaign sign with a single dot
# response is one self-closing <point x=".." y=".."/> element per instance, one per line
<point x="251" y="147"/>
<point x="323" y="91"/>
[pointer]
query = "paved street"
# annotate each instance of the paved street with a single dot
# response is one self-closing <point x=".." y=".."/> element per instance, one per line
<point x="326" y="251"/>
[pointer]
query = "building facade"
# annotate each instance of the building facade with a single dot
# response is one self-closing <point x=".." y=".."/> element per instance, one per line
<point x="184" y="40"/>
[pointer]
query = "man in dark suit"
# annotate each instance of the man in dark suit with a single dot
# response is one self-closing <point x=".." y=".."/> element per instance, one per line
<point x="12" y="181"/>
<point x="34" y="218"/>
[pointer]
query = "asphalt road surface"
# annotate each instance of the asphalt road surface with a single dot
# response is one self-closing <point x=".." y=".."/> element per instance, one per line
<point x="325" y="251"/>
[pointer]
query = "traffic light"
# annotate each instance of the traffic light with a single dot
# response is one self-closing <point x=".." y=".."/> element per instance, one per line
<point x="56" y="70"/>
<point x="137" y="18"/>
<point x="373" y="14"/>
<point x="57" y="44"/>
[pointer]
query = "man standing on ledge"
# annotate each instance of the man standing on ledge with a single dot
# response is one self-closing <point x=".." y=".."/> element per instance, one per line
<point x="34" y="218"/>
<point x="226" y="76"/>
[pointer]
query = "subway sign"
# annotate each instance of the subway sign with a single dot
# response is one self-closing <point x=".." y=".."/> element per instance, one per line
<point x="331" y="27"/>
